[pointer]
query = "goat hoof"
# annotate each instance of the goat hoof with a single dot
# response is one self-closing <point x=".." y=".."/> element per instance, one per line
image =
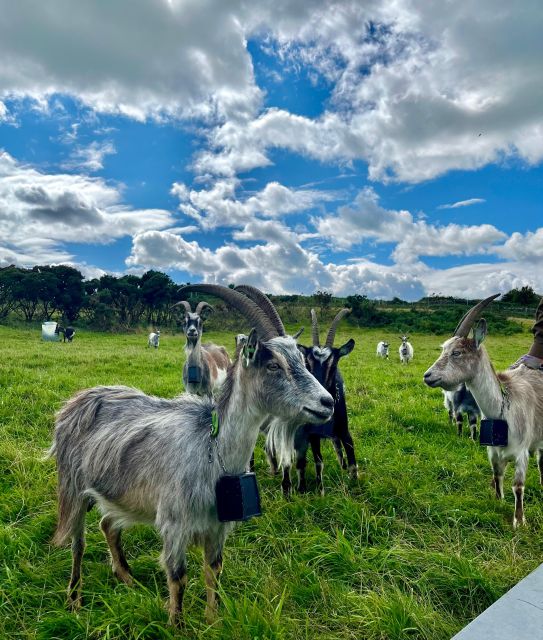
<point x="124" y="576"/>
<point x="211" y="615"/>
<point x="75" y="601"/>
<point x="519" y="523"/>
<point x="353" y="472"/>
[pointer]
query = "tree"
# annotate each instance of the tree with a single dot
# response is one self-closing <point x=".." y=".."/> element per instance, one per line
<point x="323" y="299"/>
<point x="8" y="279"/>
<point x="524" y="296"/>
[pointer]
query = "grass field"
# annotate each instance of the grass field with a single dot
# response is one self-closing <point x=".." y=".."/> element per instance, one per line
<point x="415" y="549"/>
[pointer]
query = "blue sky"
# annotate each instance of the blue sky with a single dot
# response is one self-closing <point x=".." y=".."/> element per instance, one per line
<point x="373" y="149"/>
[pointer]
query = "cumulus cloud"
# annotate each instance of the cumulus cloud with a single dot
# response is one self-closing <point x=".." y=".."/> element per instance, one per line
<point x="61" y="208"/>
<point x="365" y="219"/>
<point x="462" y="203"/>
<point x="219" y="205"/>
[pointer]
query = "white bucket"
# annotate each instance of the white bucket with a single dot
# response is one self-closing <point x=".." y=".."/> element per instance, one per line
<point x="48" y="331"/>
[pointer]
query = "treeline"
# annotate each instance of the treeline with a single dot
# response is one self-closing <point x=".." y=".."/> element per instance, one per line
<point x="61" y="293"/>
<point x="127" y="302"/>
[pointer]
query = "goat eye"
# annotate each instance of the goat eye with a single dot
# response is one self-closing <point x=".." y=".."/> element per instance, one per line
<point x="456" y="354"/>
<point x="273" y="366"/>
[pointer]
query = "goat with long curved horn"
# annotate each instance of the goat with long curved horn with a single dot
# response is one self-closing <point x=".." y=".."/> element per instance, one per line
<point x="262" y="300"/>
<point x="333" y="327"/>
<point x="467" y="322"/>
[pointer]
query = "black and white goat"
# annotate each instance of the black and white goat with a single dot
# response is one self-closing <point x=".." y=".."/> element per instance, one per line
<point x="322" y="362"/>
<point x="153" y="339"/>
<point x="143" y="459"/>
<point x="406" y="350"/>
<point x="515" y="395"/>
<point x="206" y="365"/>
<point x="458" y="402"/>
<point x="68" y="333"/>
<point x="382" y="349"/>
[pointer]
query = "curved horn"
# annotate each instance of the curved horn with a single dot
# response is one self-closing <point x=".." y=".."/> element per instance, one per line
<point x="467" y="322"/>
<point x="262" y="300"/>
<point x="252" y="312"/>
<point x="202" y="306"/>
<point x="298" y="333"/>
<point x="183" y="303"/>
<point x="333" y="327"/>
<point x="315" y="329"/>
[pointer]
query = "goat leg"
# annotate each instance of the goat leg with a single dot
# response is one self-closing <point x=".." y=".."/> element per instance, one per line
<point x="119" y="563"/>
<point x="212" y="572"/>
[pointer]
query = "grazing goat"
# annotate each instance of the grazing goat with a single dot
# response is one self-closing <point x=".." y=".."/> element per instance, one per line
<point x="382" y="349"/>
<point x="405" y="350"/>
<point x="515" y="395"/>
<point x="143" y="459"/>
<point x="322" y="362"/>
<point x="458" y="402"/>
<point x="154" y="339"/>
<point x="206" y="365"/>
<point x="68" y="333"/>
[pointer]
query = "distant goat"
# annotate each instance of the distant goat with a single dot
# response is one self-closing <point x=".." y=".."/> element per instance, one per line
<point x="515" y="395"/>
<point x="143" y="459"/>
<point x="68" y="333"/>
<point x="206" y="365"/>
<point x="382" y="349"/>
<point x="153" y="340"/>
<point x="405" y="350"/>
<point x="458" y="402"/>
<point x="322" y="362"/>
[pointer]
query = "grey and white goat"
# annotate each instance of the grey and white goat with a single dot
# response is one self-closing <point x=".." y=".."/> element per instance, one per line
<point x="406" y="350"/>
<point x="382" y="349"/>
<point x="458" y="402"/>
<point x="143" y="459"/>
<point x="515" y="395"/>
<point x="206" y="365"/>
<point x="322" y="362"/>
<point x="68" y="333"/>
<point x="153" y="339"/>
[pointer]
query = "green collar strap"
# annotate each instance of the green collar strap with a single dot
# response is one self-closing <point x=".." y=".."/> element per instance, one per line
<point x="214" y="424"/>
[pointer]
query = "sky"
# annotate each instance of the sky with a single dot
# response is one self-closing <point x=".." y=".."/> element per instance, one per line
<point x="382" y="148"/>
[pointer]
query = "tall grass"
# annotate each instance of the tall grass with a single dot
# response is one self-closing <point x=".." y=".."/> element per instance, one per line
<point x="415" y="549"/>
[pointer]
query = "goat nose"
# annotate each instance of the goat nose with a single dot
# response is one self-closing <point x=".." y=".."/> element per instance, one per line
<point x="327" y="401"/>
<point x="427" y="375"/>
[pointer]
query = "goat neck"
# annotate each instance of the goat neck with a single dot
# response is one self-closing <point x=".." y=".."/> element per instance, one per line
<point x="486" y="388"/>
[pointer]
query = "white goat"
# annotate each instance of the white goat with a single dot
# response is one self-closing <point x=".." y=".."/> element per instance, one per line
<point x="406" y="350"/>
<point x="153" y="339"/>
<point x="382" y="349"/>
<point x="515" y="395"/>
<point x="143" y="459"/>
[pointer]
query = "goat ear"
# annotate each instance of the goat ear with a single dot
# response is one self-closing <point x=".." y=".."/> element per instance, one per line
<point x="250" y="348"/>
<point x="346" y="348"/>
<point x="479" y="332"/>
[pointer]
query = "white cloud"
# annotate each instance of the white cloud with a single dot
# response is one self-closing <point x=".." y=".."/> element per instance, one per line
<point x="91" y="157"/>
<point x="365" y="219"/>
<point x="61" y="208"/>
<point x="219" y="206"/>
<point x="462" y="203"/>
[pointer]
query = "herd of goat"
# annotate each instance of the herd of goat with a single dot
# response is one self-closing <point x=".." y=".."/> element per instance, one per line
<point x="144" y="459"/>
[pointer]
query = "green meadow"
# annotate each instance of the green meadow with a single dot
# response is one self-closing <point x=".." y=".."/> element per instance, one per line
<point x="416" y="548"/>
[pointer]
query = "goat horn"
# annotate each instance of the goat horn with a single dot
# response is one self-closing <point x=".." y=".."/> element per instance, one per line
<point x="333" y="327"/>
<point x="262" y="300"/>
<point x="298" y="333"/>
<point x="183" y="303"/>
<point x="467" y="322"/>
<point x="252" y="312"/>
<point x="201" y="306"/>
<point x="315" y="329"/>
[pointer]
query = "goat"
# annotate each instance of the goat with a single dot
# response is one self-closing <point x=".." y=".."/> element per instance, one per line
<point x="206" y="365"/>
<point x="405" y="350"/>
<point x="460" y="401"/>
<point x="322" y="362"/>
<point x="153" y="340"/>
<point x="68" y="333"/>
<point x="382" y="349"/>
<point x="143" y="459"/>
<point x="515" y="395"/>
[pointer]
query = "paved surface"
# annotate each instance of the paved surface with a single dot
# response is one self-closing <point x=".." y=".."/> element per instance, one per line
<point x="518" y="615"/>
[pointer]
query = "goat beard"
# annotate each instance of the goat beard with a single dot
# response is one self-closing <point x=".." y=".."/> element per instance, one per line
<point x="280" y="439"/>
